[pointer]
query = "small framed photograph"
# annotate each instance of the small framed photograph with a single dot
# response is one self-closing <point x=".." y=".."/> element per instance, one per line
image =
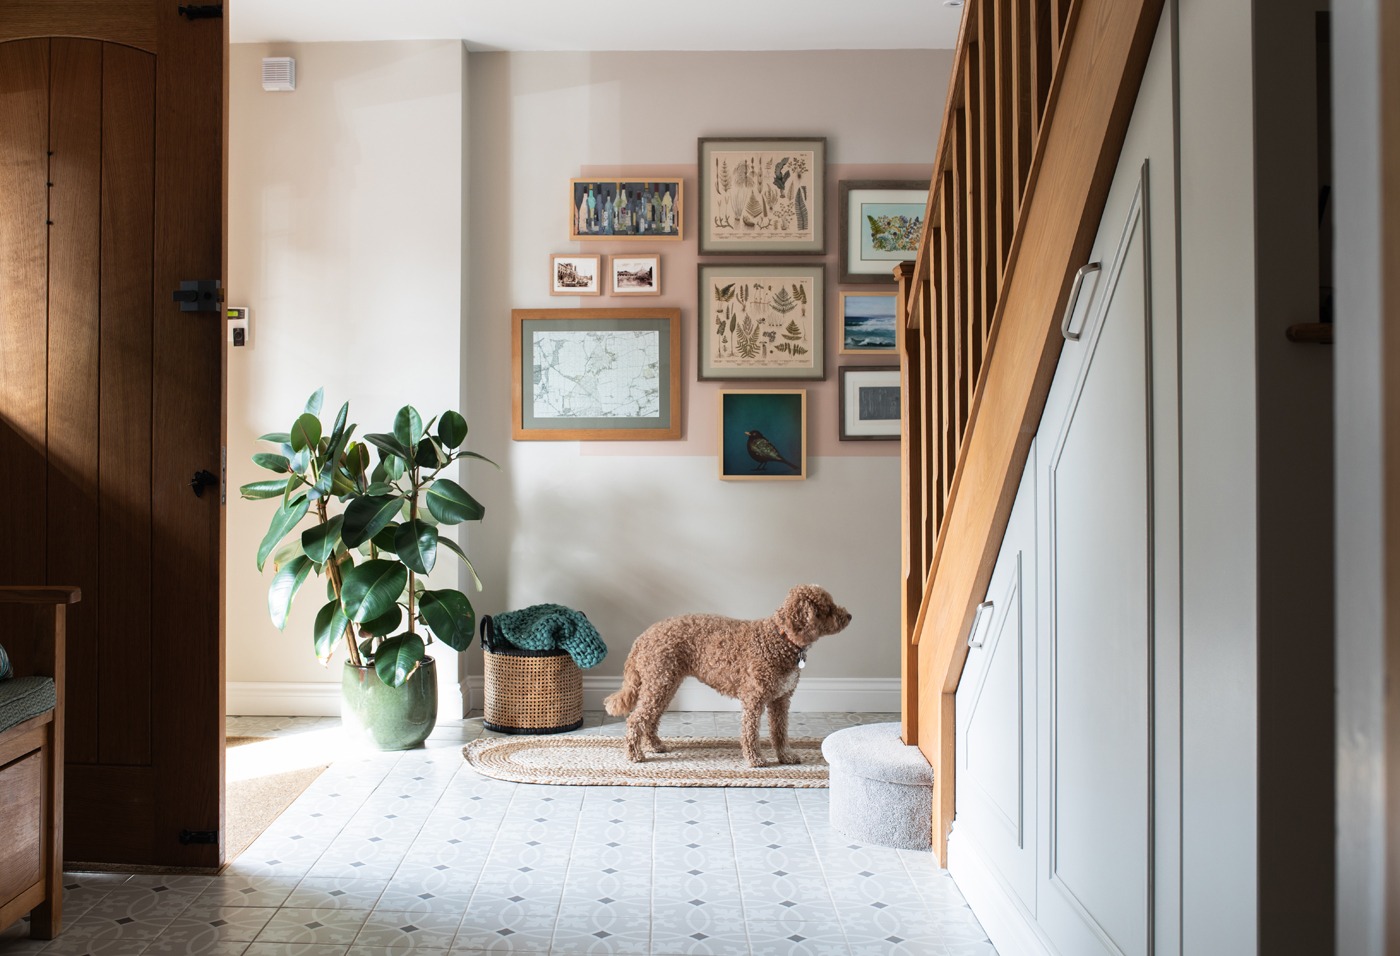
<point x="763" y="196"/>
<point x="628" y="208"/>
<point x="868" y="322"/>
<point x="881" y="223"/>
<point x="595" y="374"/>
<point x="869" y="402"/>
<point x="763" y="322"/>
<point x="638" y="274"/>
<point x="762" y="435"/>
<point x="575" y="275"/>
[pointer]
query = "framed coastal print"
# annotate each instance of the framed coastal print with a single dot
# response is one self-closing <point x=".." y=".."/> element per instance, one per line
<point x="625" y="209"/>
<point x="869" y="402"/>
<point x="595" y="374"/>
<point x="574" y="275"/>
<point x="762" y="435"/>
<point x="867" y="322"/>
<point x="763" y="196"/>
<point x="881" y="222"/>
<point x="638" y="274"/>
<point x="761" y="322"/>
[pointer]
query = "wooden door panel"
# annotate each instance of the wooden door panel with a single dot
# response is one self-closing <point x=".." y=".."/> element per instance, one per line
<point x="124" y="441"/>
<point x="75" y="149"/>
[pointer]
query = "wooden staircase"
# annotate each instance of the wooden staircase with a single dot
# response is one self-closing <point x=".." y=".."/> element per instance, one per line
<point x="1037" y="109"/>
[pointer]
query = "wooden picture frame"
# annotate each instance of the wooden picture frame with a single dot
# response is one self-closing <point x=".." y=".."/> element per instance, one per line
<point x="761" y="322"/>
<point x="627" y="209"/>
<point x="869" y="412"/>
<point x="635" y="273"/>
<point x="869" y="321"/>
<point x="575" y="274"/>
<point x="881" y="224"/>
<point x="762" y="435"/>
<point x="632" y="389"/>
<point x="780" y="211"/>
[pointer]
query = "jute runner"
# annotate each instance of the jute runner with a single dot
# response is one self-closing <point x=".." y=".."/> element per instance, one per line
<point x="254" y="803"/>
<point x="602" y="761"/>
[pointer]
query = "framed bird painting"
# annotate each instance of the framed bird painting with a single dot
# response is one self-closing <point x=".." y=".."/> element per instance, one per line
<point x="762" y="435"/>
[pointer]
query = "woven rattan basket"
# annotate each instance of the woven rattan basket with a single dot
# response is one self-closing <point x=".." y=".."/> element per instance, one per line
<point x="529" y="692"/>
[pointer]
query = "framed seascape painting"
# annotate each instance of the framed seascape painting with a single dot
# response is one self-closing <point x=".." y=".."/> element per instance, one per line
<point x="761" y="322"/>
<point x="625" y="209"/>
<point x="638" y="274"/>
<point x="867" y="322"/>
<point x="762" y="435"/>
<point x="881" y="222"/>
<point x="763" y="196"/>
<point x="574" y="275"/>
<point x="595" y="374"/>
<point x="869" y="402"/>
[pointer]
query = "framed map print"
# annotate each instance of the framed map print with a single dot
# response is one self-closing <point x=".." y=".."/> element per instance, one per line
<point x="595" y="374"/>
<point x="763" y="196"/>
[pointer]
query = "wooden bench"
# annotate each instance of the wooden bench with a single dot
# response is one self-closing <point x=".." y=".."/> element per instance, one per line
<point x="31" y="760"/>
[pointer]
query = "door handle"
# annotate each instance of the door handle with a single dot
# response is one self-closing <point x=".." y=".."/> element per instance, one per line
<point x="1074" y="290"/>
<point x="975" y="637"/>
<point x="200" y="480"/>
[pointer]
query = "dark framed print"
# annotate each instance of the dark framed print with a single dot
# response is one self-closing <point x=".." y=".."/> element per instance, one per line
<point x="761" y="322"/>
<point x="869" y="402"/>
<point x="625" y="209"/>
<point x="762" y="435"/>
<point x="762" y="196"/>
<point x="595" y="374"/>
<point x="881" y="223"/>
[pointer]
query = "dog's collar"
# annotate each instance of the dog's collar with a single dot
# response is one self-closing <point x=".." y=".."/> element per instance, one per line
<point x="801" y="651"/>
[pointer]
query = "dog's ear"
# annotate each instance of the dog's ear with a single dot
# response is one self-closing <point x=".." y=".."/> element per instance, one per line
<point x="799" y="611"/>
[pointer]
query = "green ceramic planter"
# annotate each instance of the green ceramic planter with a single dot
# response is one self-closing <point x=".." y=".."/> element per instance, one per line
<point x="389" y="718"/>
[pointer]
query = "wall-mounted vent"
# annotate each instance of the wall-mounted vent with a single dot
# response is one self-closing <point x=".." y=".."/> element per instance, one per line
<point x="279" y="74"/>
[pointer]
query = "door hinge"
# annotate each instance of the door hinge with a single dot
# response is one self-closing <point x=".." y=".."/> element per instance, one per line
<point x="199" y="295"/>
<point x="203" y="11"/>
<point x="188" y="837"/>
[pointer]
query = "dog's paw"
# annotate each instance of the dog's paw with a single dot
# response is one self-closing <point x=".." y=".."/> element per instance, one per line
<point x="756" y="762"/>
<point x="787" y="756"/>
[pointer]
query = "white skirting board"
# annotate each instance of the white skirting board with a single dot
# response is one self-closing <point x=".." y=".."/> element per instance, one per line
<point x="322" y="699"/>
<point x="1008" y="925"/>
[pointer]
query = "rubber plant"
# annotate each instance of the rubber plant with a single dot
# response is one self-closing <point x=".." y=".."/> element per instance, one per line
<point x="375" y="546"/>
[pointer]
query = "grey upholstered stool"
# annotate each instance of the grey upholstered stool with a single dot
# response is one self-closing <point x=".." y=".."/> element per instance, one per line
<point x="881" y="790"/>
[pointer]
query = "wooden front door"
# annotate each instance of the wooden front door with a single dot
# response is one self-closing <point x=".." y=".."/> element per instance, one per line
<point x="111" y="193"/>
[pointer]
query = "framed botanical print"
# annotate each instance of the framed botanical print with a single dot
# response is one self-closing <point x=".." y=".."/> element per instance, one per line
<point x="881" y="223"/>
<point x="763" y="196"/>
<point x="761" y="322"/>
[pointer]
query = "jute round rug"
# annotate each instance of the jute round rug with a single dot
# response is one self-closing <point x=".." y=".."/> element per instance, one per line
<point x="578" y="761"/>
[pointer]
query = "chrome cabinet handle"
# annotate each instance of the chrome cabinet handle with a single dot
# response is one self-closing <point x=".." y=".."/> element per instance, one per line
<point x="1079" y="277"/>
<point x="975" y="637"/>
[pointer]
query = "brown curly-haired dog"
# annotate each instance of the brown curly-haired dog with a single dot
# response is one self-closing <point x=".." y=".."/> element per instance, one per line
<point x="756" y="662"/>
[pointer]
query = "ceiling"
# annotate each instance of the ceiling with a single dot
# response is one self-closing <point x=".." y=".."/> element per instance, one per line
<point x="608" y="24"/>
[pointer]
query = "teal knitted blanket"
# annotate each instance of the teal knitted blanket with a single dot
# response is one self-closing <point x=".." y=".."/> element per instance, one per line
<point x="548" y="627"/>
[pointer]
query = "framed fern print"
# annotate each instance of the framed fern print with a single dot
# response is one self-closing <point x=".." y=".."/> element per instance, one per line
<point x="761" y="322"/>
<point x="763" y="196"/>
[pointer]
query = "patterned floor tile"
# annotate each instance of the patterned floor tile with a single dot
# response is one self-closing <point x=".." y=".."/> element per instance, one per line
<point x="806" y="939"/>
<point x="320" y="925"/>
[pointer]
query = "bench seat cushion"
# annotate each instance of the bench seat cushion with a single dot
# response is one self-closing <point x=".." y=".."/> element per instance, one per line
<point x="24" y="697"/>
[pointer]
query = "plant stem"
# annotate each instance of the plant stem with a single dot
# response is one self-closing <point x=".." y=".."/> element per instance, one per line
<point x="333" y="572"/>
<point x="413" y="519"/>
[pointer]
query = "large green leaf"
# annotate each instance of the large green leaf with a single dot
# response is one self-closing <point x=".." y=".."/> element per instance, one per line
<point x="365" y="516"/>
<point x="456" y="549"/>
<point x="384" y="538"/>
<point x="272" y="462"/>
<point x="416" y="545"/>
<point x="313" y="404"/>
<point x="257" y="490"/>
<point x="369" y="589"/>
<point x="429" y="455"/>
<point x="386" y="623"/>
<point x="284" y="587"/>
<point x="330" y="626"/>
<point x="301" y="460"/>
<point x="390" y="445"/>
<point x="452" y="429"/>
<point x="472" y="454"/>
<point x="450" y="503"/>
<point x="450" y="615"/>
<point x="290" y="548"/>
<point x="408" y="426"/>
<point x="287" y="516"/>
<point x="319" y="540"/>
<point x="306" y="432"/>
<point x="398" y="657"/>
<point x="281" y="438"/>
<point x="356" y="461"/>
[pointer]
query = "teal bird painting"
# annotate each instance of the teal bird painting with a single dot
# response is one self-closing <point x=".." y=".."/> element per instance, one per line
<point x="763" y="451"/>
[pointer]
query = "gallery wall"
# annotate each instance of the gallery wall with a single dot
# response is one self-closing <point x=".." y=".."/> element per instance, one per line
<point x="387" y="217"/>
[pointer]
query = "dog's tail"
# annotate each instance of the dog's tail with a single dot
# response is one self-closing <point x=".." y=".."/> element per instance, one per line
<point x="625" y="699"/>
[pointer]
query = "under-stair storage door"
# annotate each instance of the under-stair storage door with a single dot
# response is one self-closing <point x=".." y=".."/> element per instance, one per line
<point x="1096" y="439"/>
<point x="996" y="712"/>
